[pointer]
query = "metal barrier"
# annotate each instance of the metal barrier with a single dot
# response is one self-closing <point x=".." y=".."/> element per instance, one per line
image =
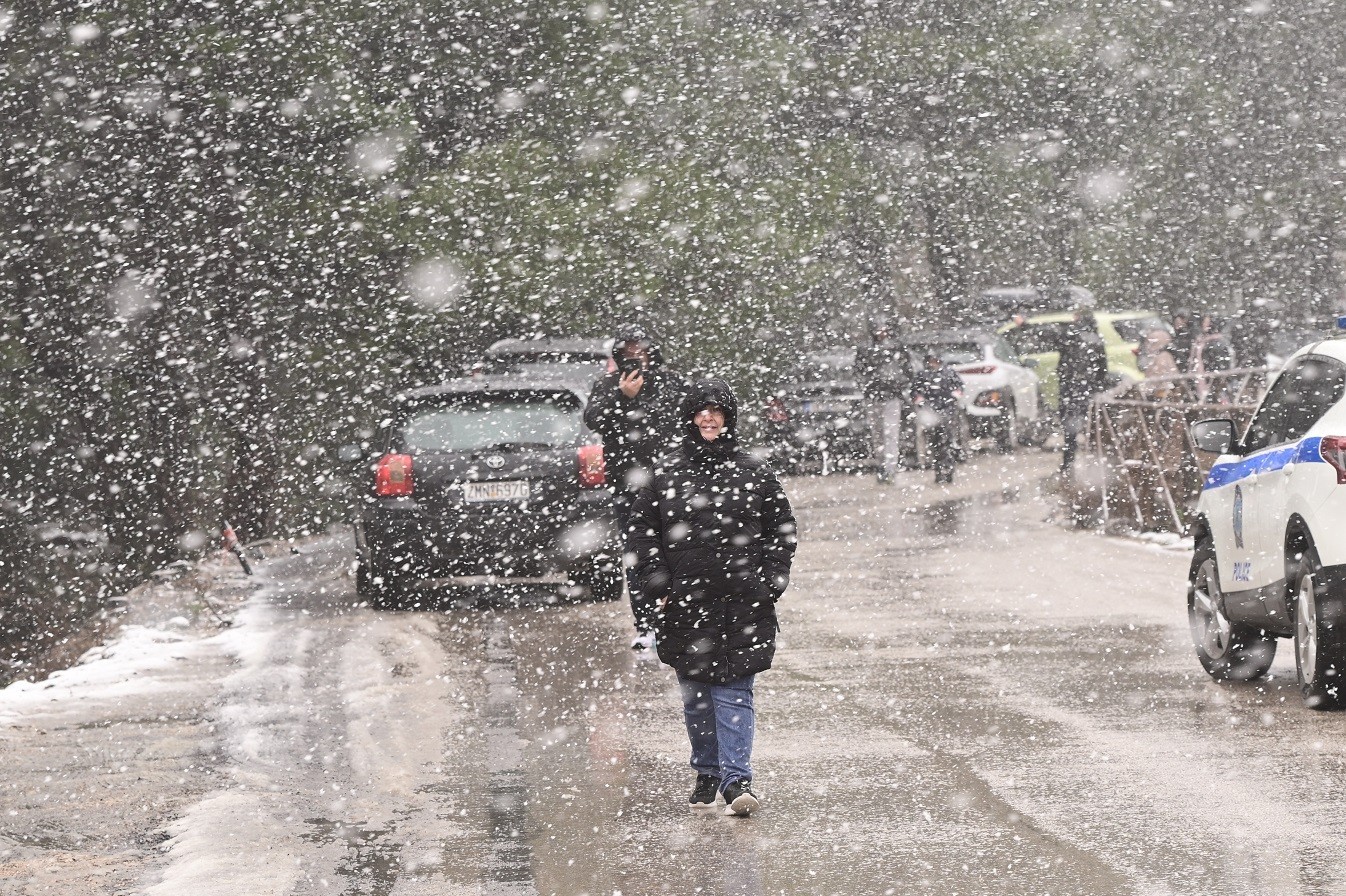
<point x="1140" y="432"/>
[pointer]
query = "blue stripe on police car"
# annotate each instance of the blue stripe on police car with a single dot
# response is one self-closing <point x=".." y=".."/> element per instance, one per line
<point x="1303" y="452"/>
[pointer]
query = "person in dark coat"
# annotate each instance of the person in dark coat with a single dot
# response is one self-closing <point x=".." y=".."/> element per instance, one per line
<point x="884" y="374"/>
<point x="1082" y="373"/>
<point x="1184" y="338"/>
<point x="937" y="392"/>
<point x="714" y="535"/>
<point x="635" y="409"/>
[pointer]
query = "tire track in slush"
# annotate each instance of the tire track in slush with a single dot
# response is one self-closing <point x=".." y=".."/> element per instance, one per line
<point x="511" y="860"/>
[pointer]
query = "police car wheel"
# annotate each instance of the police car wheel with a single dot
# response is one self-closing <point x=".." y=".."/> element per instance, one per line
<point x="1227" y="650"/>
<point x="1320" y="651"/>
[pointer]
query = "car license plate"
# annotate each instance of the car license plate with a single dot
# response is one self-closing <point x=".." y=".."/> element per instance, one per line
<point x="504" y="490"/>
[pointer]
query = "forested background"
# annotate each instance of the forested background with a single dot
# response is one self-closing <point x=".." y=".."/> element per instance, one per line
<point x="230" y="229"/>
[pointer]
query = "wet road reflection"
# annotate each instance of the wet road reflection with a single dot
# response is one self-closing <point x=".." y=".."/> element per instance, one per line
<point x="508" y="789"/>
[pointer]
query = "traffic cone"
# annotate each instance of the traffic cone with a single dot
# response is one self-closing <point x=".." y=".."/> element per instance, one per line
<point x="232" y="546"/>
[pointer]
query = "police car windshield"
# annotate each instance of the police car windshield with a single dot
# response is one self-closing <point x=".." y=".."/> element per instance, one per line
<point x="1298" y="399"/>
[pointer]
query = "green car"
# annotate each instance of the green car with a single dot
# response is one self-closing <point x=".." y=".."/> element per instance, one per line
<point x="1038" y="337"/>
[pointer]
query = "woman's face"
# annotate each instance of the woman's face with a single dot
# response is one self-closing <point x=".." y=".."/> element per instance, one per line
<point x="709" y="422"/>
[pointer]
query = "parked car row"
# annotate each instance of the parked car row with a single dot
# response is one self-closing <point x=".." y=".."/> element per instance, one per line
<point x="820" y="415"/>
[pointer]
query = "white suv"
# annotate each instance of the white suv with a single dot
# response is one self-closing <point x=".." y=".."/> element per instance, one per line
<point x="1270" y="556"/>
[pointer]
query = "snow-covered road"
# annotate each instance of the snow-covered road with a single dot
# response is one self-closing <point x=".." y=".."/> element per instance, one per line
<point x="968" y="699"/>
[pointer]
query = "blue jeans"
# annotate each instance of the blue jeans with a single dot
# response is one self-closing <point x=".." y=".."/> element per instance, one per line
<point x="720" y="724"/>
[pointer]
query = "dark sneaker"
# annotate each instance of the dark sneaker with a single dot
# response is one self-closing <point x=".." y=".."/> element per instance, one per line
<point x="703" y="795"/>
<point x="739" y="799"/>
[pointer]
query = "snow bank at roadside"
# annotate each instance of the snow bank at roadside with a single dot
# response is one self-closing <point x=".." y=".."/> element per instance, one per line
<point x="138" y="661"/>
<point x="1164" y="541"/>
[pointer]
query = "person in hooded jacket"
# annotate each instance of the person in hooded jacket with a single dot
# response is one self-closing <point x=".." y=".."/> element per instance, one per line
<point x="937" y="392"/>
<point x="635" y="409"/>
<point x="714" y="536"/>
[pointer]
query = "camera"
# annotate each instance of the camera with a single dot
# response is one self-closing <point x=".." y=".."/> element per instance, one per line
<point x="628" y="366"/>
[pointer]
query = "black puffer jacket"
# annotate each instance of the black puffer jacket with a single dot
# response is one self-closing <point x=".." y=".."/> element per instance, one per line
<point x="714" y="534"/>
<point x="1082" y="370"/>
<point x="636" y="431"/>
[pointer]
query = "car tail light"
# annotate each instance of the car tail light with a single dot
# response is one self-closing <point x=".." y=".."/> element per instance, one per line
<point x="1333" y="450"/>
<point x="991" y="399"/>
<point x="979" y="370"/>
<point x="593" y="470"/>
<point x="776" y="412"/>
<point x="392" y="479"/>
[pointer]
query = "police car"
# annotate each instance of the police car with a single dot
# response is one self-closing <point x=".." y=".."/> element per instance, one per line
<point x="1270" y="533"/>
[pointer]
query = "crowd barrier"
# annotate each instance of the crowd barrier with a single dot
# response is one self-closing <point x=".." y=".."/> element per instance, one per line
<point x="1140" y="435"/>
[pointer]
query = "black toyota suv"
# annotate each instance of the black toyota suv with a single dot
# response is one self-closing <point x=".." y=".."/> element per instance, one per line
<point x="491" y="476"/>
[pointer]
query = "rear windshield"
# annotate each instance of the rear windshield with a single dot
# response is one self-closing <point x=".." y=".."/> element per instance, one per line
<point x="500" y="421"/>
<point x="1133" y="329"/>
<point x="949" y="352"/>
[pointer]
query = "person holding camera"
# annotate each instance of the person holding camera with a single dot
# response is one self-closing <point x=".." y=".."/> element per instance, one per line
<point x="714" y="538"/>
<point x="635" y="408"/>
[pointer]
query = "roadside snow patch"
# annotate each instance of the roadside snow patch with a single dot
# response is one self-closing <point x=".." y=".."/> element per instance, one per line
<point x="1165" y="541"/>
<point x="108" y="673"/>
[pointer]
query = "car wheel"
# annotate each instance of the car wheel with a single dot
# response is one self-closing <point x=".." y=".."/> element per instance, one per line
<point x="378" y="587"/>
<point x="1228" y="650"/>
<point x="1320" y="642"/>
<point x="1007" y="428"/>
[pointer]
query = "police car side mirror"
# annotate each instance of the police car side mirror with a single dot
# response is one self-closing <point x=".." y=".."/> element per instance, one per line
<point x="1215" y="436"/>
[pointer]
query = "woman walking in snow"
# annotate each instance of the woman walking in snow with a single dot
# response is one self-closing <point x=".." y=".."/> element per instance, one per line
<point x="713" y="535"/>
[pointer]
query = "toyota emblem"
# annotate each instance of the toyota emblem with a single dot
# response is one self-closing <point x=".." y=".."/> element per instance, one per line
<point x="495" y="461"/>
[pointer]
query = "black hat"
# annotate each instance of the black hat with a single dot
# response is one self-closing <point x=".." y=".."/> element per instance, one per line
<point x="628" y="334"/>
<point x="711" y="392"/>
